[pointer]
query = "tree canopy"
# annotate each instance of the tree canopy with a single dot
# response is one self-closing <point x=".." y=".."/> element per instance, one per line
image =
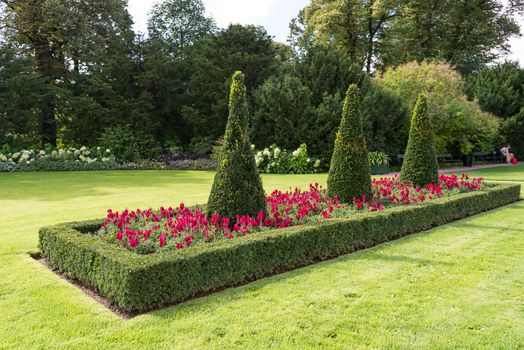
<point x="74" y="72"/>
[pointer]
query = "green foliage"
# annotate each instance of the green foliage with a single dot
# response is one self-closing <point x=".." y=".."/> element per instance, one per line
<point x="237" y="188"/>
<point x="420" y="160"/>
<point x="307" y="97"/>
<point x="382" y="33"/>
<point x="282" y="104"/>
<point x="352" y="27"/>
<point x="135" y="282"/>
<point x="349" y="174"/>
<point x="21" y="91"/>
<point x="62" y="32"/>
<point x="201" y="144"/>
<point x="213" y="61"/>
<point x="378" y="158"/>
<point x="71" y="68"/>
<point x="499" y="89"/>
<point x="459" y="125"/>
<point x="466" y="34"/>
<point x="384" y="118"/>
<point x="128" y="144"/>
<point x="179" y="24"/>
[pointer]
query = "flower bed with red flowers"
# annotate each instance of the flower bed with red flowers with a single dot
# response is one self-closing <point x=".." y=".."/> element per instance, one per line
<point x="149" y="231"/>
<point x="184" y="255"/>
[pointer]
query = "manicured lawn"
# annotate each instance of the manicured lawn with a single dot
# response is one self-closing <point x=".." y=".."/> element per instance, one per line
<point x="457" y="286"/>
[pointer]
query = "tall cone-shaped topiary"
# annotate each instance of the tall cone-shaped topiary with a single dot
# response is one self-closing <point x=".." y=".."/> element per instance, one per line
<point x="349" y="174"/>
<point x="420" y="159"/>
<point x="237" y="189"/>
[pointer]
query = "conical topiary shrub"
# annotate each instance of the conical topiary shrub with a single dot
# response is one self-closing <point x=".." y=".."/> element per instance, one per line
<point x="237" y="189"/>
<point x="420" y="159"/>
<point x="349" y="174"/>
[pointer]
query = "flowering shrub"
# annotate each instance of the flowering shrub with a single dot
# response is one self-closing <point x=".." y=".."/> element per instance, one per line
<point x="148" y="231"/>
<point x="56" y="159"/>
<point x="273" y="160"/>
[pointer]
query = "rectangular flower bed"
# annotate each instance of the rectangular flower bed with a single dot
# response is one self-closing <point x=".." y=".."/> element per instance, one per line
<point x="135" y="283"/>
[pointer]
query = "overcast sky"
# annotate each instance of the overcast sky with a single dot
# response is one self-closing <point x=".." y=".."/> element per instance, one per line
<point x="274" y="15"/>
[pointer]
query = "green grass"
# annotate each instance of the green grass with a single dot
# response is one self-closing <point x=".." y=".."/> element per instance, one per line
<point x="457" y="286"/>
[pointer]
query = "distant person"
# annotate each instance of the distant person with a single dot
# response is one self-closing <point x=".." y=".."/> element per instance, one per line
<point x="504" y="151"/>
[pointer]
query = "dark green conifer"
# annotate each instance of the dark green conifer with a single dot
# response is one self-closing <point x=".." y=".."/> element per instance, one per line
<point x="349" y="174"/>
<point x="237" y="189"/>
<point x="420" y="159"/>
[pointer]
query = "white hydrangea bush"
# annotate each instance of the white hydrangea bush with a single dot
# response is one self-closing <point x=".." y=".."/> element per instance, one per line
<point x="275" y="160"/>
<point x="25" y="159"/>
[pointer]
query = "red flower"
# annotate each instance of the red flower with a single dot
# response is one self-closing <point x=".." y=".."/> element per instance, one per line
<point x="133" y="242"/>
<point x="132" y="228"/>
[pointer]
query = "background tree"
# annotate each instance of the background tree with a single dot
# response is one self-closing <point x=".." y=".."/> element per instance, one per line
<point x="310" y="90"/>
<point x="178" y="25"/>
<point x="351" y="26"/>
<point x="349" y="174"/>
<point x="460" y="126"/>
<point x="281" y="104"/>
<point x="237" y="188"/>
<point x="420" y="160"/>
<point x="499" y="89"/>
<point x="21" y="91"/>
<point x="468" y="34"/>
<point x="64" y="35"/>
<point x="214" y="59"/>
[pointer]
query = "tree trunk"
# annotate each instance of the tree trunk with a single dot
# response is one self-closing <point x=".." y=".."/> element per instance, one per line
<point x="352" y="33"/>
<point x="371" y="35"/>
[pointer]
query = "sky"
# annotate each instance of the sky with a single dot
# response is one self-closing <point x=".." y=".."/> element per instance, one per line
<point x="274" y="15"/>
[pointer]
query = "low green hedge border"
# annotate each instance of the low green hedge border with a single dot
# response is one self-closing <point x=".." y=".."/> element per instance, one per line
<point x="137" y="283"/>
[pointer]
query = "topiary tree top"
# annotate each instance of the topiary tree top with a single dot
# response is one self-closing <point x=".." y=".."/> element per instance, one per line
<point x="420" y="159"/>
<point x="237" y="123"/>
<point x="351" y="124"/>
<point x="237" y="189"/>
<point x="349" y="174"/>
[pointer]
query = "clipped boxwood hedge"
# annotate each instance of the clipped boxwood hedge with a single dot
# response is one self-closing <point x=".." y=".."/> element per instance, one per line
<point x="137" y="283"/>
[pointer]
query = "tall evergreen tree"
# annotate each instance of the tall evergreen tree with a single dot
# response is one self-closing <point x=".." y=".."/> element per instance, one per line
<point x="349" y="174"/>
<point x="214" y="59"/>
<point x="65" y="36"/>
<point x="237" y="189"/>
<point x="21" y="91"/>
<point x="420" y="160"/>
